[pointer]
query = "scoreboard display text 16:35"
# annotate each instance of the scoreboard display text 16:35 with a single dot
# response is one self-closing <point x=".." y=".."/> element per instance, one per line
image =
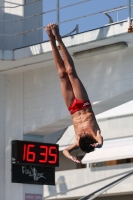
<point x="35" y="153"/>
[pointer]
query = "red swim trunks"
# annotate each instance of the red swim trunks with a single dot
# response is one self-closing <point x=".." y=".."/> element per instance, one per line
<point x="78" y="105"/>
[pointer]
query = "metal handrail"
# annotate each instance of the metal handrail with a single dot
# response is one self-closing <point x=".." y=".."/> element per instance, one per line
<point x="76" y="29"/>
<point x="42" y="13"/>
<point x="98" y="192"/>
<point x="73" y="19"/>
<point x="36" y="29"/>
<point x="49" y="11"/>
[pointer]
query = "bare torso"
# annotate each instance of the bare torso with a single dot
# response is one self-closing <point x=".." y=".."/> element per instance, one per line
<point x="85" y="121"/>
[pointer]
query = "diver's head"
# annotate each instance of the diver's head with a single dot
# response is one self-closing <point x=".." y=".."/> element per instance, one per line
<point x="86" y="142"/>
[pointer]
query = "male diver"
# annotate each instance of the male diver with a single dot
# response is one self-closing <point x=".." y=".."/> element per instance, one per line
<point x="87" y="132"/>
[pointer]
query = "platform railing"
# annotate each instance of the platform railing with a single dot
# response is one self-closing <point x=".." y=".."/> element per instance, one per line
<point x="98" y="192"/>
<point x="107" y="12"/>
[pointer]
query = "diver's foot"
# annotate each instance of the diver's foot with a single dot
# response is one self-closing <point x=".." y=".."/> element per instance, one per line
<point x="55" y="30"/>
<point x="49" y="32"/>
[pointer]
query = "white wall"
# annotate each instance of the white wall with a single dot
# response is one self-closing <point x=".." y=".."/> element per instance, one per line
<point x="81" y="182"/>
<point x="8" y="27"/>
<point x="13" y="130"/>
<point x="32" y="23"/>
<point x="116" y="127"/>
<point x="11" y="127"/>
<point x="43" y="101"/>
<point x="104" y="77"/>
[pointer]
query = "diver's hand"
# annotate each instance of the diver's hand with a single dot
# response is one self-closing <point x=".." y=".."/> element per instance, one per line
<point x="74" y="159"/>
<point x="96" y="145"/>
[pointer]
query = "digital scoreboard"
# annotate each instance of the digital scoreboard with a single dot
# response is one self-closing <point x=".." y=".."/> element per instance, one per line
<point x="44" y="154"/>
<point x="34" y="162"/>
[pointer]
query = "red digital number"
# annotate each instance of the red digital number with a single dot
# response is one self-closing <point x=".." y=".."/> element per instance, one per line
<point x="44" y="154"/>
<point x="24" y="154"/>
<point x="29" y="155"/>
<point x="54" y="155"/>
<point x="47" y="154"/>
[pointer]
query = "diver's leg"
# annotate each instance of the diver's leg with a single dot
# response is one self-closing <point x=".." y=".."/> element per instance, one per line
<point x="77" y="86"/>
<point x="66" y="87"/>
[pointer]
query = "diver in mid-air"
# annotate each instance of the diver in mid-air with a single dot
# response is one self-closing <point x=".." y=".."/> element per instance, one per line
<point x="87" y="132"/>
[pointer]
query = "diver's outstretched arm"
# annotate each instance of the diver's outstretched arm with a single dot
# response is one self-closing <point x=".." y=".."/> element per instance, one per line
<point x="67" y="151"/>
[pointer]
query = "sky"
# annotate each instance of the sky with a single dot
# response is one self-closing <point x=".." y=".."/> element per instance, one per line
<point x="87" y="23"/>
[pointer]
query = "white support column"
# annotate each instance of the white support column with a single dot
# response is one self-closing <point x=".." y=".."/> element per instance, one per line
<point x="2" y="136"/>
<point x="129" y="13"/>
<point x="11" y="27"/>
<point x="14" y="130"/>
<point x="11" y="118"/>
<point x="2" y="24"/>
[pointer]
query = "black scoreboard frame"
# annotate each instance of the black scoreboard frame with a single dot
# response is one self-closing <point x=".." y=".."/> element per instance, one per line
<point x="35" y="167"/>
